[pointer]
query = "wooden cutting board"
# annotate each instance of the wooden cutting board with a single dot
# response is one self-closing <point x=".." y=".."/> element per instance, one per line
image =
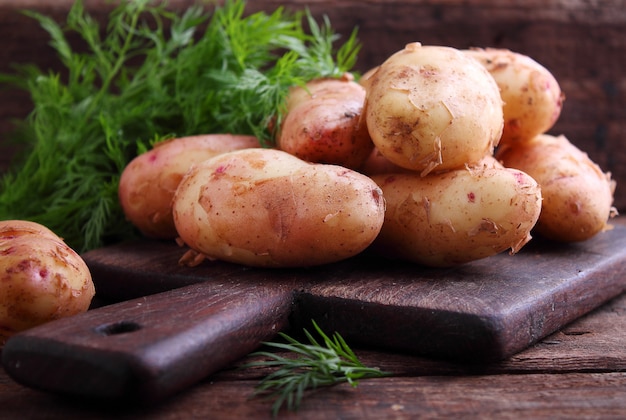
<point x="175" y="325"/>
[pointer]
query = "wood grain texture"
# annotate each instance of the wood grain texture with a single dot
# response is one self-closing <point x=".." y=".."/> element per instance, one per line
<point x="583" y="43"/>
<point x="147" y="349"/>
<point x="154" y="346"/>
<point x="577" y="372"/>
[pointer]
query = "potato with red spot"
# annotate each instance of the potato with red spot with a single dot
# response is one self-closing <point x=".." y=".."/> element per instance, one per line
<point x="148" y="182"/>
<point x="323" y="123"/>
<point x="532" y="96"/>
<point x="457" y="216"/>
<point x="267" y="208"/>
<point x="577" y="194"/>
<point x="41" y="278"/>
<point x="432" y="108"/>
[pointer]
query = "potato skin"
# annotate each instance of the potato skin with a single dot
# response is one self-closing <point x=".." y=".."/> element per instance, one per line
<point x="432" y="108"/>
<point x="457" y="216"/>
<point x="148" y="182"/>
<point x="323" y="123"/>
<point x="267" y="208"/>
<point x="532" y="96"/>
<point x="41" y="278"/>
<point x="14" y="228"/>
<point x="577" y="195"/>
<point x="376" y="164"/>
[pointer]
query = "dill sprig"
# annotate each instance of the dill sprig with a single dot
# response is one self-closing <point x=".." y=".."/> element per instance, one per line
<point x="149" y="74"/>
<point x="316" y="365"/>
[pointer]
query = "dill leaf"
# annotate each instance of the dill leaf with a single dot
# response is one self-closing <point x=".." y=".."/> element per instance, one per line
<point x="148" y="74"/>
<point x="314" y="365"/>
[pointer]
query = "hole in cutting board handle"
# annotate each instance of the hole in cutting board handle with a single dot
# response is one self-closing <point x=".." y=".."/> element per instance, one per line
<point x="116" y="328"/>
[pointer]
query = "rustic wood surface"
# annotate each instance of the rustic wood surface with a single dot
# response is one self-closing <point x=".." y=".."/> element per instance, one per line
<point x="577" y="372"/>
<point x="150" y="347"/>
<point x="583" y="43"/>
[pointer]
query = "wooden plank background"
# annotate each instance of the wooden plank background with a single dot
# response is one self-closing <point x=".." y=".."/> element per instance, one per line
<point x="582" y="42"/>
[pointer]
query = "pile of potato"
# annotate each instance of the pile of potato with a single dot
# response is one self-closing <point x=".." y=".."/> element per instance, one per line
<point x="437" y="156"/>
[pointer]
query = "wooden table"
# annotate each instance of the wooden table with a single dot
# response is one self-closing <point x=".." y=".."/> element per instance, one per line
<point x="579" y="371"/>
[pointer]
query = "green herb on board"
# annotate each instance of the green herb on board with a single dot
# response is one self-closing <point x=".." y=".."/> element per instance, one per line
<point x="315" y="365"/>
<point x="150" y="74"/>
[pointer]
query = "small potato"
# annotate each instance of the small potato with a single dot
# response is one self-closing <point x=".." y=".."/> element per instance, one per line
<point x="41" y="278"/>
<point x="532" y="96"/>
<point x="433" y="108"/>
<point x="267" y="208"/>
<point x="323" y="123"/>
<point x="366" y="78"/>
<point x="577" y="195"/>
<point x="148" y="182"/>
<point x="376" y="164"/>
<point x="458" y="216"/>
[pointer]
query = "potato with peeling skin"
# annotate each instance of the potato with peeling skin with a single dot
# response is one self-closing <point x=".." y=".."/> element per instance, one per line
<point x="457" y="216"/>
<point x="267" y="208"/>
<point x="532" y="96"/>
<point x="433" y="108"/>
<point x="148" y="182"/>
<point x="323" y="123"/>
<point x="577" y="194"/>
<point x="41" y="278"/>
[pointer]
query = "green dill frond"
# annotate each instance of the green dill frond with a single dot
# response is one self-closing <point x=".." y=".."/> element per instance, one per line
<point x="150" y="73"/>
<point x="309" y="366"/>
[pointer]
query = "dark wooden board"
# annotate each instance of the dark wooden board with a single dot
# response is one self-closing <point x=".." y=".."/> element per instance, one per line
<point x="160" y="341"/>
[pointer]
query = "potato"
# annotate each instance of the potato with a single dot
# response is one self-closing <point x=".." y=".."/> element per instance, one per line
<point x="376" y="164"/>
<point x="457" y="216"/>
<point x="41" y="278"/>
<point x="148" y="182"/>
<point x="577" y="195"/>
<point x="532" y="96"/>
<point x="323" y="123"/>
<point x="267" y="208"/>
<point x="433" y="108"/>
<point x="367" y="77"/>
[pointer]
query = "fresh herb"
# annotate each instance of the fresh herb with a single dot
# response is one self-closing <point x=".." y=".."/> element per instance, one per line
<point x="316" y="366"/>
<point x="150" y="74"/>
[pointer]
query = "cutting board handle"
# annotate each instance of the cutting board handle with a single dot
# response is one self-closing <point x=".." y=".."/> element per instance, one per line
<point x="151" y="347"/>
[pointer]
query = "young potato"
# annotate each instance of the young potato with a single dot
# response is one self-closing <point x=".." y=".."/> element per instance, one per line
<point x="267" y="208"/>
<point x="41" y="278"/>
<point x="148" y="182"/>
<point x="367" y="77"/>
<point x="577" y="195"/>
<point x="376" y="164"/>
<point x="532" y="96"/>
<point x="457" y="216"/>
<point x="433" y="108"/>
<point x="323" y="123"/>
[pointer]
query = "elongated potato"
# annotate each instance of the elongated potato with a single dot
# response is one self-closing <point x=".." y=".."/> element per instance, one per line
<point x="577" y="195"/>
<point x="267" y="208"/>
<point x="41" y="278"/>
<point x="532" y="96"/>
<point x="433" y="108"/>
<point x="148" y="182"/>
<point x="323" y="123"/>
<point x="457" y="216"/>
